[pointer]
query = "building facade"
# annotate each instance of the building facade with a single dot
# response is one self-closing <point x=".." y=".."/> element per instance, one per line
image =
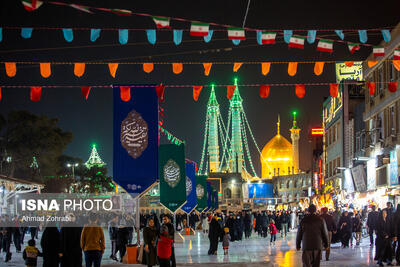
<point x="292" y="188"/>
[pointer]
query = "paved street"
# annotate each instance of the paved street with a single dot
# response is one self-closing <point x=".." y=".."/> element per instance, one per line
<point x="254" y="252"/>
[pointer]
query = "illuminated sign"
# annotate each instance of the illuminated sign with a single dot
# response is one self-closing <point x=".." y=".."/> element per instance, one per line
<point x="317" y="131"/>
<point x="333" y="107"/>
<point x="344" y="72"/>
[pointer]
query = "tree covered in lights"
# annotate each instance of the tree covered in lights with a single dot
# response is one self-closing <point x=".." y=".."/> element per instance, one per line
<point x="94" y="159"/>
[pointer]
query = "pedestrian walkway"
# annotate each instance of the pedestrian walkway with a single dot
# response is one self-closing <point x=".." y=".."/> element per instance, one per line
<point x="253" y="252"/>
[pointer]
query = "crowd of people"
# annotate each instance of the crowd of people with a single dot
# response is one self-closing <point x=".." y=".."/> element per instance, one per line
<point x="316" y="231"/>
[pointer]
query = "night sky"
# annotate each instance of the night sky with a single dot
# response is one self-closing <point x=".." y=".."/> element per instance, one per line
<point x="91" y="120"/>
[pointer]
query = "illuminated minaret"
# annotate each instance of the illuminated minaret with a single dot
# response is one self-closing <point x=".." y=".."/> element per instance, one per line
<point x="236" y="109"/>
<point x="212" y="115"/>
<point x="295" y="136"/>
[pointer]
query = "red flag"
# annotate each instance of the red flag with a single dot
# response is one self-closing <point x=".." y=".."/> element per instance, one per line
<point x="334" y="89"/>
<point x="264" y="91"/>
<point x="371" y="87"/>
<point x="349" y="63"/>
<point x="160" y="91"/>
<point x="196" y="92"/>
<point x="125" y="92"/>
<point x="36" y="93"/>
<point x="85" y="91"/>
<point x="0" y="93"/>
<point x="300" y="90"/>
<point x="230" y="89"/>
<point x="392" y="87"/>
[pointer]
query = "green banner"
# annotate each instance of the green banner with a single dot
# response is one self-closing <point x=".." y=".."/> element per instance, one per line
<point x="201" y="192"/>
<point x="213" y="200"/>
<point x="172" y="176"/>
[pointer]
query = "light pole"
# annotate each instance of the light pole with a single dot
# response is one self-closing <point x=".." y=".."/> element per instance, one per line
<point x="73" y="168"/>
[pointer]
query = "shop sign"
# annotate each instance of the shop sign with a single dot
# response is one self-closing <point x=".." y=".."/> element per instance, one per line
<point x="371" y="174"/>
<point x="348" y="181"/>
<point x="359" y="178"/>
<point x="394" y="172"/>
<point x="332" y="107"/>
<point x="344" y="72"/>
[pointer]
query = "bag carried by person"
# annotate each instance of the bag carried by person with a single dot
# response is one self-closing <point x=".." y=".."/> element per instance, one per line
<point x="141" y="255"/>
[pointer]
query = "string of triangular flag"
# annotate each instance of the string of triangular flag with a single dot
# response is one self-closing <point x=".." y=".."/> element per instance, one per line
<point x="177" y="67"/>
<point x="172" y="138"/>
<point x="264" y="90"/>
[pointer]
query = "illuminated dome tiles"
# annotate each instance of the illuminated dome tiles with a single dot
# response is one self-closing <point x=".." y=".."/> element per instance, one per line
<point x="277" y="153"/>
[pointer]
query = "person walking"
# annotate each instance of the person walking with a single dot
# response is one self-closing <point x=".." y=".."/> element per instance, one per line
<point x="171" y="232"/>
<point x="357" y="228"/>
<point x="122" y="239"/>
<point x="150" y="244"/>
<point x="273" y="231"/>
<point x="225" y="240"/>
<point x="372" y="221"/>
<point x="284" y="218"/>
<point x="71" y="252"/>
<point x="345" y="229"/>
<point x="397" y="233"/>
<point x="213" y="235"/>
<point x="112" y="232"/>
<point x="31" y="253"/>
<point x="164" y="247"/>
<point x="312" y="237"/>
<point x="331" y="228"/>
<point x="384" y="239"/>
<point x="51" y="249"/>
<point x="92" y="242"/>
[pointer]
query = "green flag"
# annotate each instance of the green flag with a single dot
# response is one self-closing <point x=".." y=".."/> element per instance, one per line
<point x="201" y="192"/>
<point x="213" y="200"/>
<point x="172" y="176"/>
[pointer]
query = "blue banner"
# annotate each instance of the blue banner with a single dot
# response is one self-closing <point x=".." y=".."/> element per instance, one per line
<point x="136" y="139"/>
<point x="260" y="192"/>
<point x="209" y="195"/>
<point x="191" y="197"/>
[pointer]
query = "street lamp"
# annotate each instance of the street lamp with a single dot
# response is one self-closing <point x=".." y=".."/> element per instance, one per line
<point x="73" y="168"/>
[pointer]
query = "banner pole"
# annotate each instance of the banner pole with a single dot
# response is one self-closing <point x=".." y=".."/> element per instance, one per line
<point x="138" y="220"/>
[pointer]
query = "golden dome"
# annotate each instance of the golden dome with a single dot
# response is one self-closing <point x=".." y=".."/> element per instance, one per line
<point x="277" y="153"/>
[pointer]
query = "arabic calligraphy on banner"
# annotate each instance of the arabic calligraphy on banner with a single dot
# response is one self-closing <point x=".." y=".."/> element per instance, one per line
<point x="343" y="72"/>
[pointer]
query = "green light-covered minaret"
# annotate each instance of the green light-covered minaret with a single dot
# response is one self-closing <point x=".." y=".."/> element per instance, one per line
<point x="236" y="109"/>
<point x="213" y="148"/>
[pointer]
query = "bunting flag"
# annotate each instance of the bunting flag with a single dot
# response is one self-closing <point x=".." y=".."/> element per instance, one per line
<point x="123" y="36"/>
<point x="172" y="176"/>
<point x="230" y="89"/>
<point x="151" y="36"/>
<point x="353" y="47"/>
<point x="79" y="69"/>
<point x="371" y="88"/>
<point x="297" y="42"/>
<point x="300" y="90"/>
<point x="36" y="93"/>
<point x="340" y="34"/>
<point x="68" y="35"/>
<point x="334" y="89"/>
<point x="94" y="34"/>
<point x="160" y="91"/>
<point x="0" y="93"/>
<point x="199" y="29"/>
<point x="264" y="91"/>
<point x="396" y="64"/>
<point x="125" y="93"/>
<point x="81" y="8"/>
<point x="196" y="92"/>
<point x="319" y="68"/>
<point x="1" y="34"/>
<point x="325" y="46"/>
<point x="85" y="91"/>
<point x="287" y="34"/>
<point x="45" y="70"/>
<point x="207" y="68"/>
<point x="349" y="63"/>
<point x="31" y="5"/>
<point x="378" y="51"/>
<point x="135" y="141"/>
<point x="311" y="34"/>
<point x="265" y="67"/>
<point x="191" y="198"/>
<point x="177" y="68"/>
<point x="268" y="37"/>
<point x="113" y="68"/>
<point x="372" y="63"/>
<point x="209" y="36"/>
<point x="363" y="36"/>
<point x="161" y="22"/>
<point x="236" y="66"/>
<point x="396" y="54"/>
<point x="292" y="68"/>
<point x="11" y="68"/>
<point x="236" y="34"/>
<point x="26" y="33"/>
<point x="148" y="67"/>
<point x="236" y="42"/>
<point x="201" y="193"/>
<point x="121" y="12"/>
<point x="392" y="86"/>
<point x="177" y="35"/>
<point x="386" y="35"/>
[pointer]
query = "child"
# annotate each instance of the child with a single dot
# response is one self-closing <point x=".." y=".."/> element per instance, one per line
<point x="225" y="240"/>
<point x="164" y="247"/>
<point x="31" y="253"/>
<point x="272" y="231"/>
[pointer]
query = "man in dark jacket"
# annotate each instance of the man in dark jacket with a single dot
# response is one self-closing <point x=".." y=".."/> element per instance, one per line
<point x="71" y="252"/>
<point x="213" y="235"/>
<point x="312" y="237"/>
<point x="372" y="221"/>
<point x="331" y="227"/>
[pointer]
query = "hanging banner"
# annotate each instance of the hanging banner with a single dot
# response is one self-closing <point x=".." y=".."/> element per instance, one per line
<point x="135" y="140"/>
<point x="201" y="193"/>
<point x="215" y="200"/>
<point x="172" y="176"/>
<point x="209" y="193"/>
<point x="191" y="199"/>
<point x="394" y="171"/>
